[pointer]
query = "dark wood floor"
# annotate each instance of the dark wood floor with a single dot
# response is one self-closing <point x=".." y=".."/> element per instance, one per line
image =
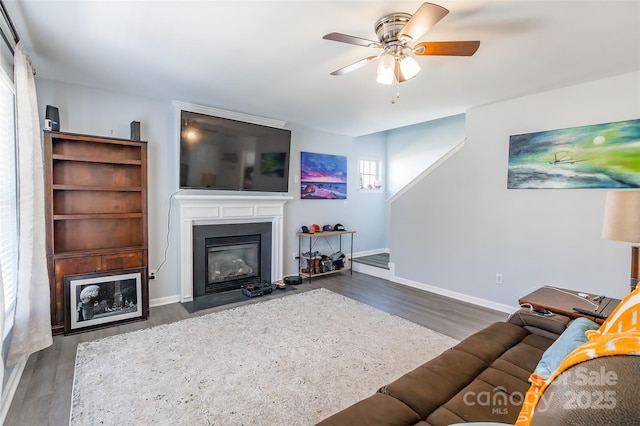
<point x="43" y="396"/>
<point x="380" y="260"/>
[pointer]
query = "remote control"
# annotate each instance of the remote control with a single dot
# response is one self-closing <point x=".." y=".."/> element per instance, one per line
<point x="590" y="313"/>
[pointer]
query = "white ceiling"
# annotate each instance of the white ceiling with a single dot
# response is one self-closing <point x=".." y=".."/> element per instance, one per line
<point x="268" y="58"/>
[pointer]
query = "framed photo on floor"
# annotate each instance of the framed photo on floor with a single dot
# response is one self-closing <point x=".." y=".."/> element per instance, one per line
<point x="101" y="299"/>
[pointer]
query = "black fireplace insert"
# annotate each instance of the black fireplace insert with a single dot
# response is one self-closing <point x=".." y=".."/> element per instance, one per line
<point x="228" y="257"/>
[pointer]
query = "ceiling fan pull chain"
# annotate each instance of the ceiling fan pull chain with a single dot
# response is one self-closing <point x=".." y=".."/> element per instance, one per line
<point x="393" y="101"/>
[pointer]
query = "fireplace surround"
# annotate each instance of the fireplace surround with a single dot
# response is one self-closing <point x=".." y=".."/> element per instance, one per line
<point x="197" y="209"/>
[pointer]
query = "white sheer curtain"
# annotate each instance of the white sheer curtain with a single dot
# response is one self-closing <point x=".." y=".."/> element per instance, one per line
<point x="32" y="324"/>
<point x="1" y="332"/>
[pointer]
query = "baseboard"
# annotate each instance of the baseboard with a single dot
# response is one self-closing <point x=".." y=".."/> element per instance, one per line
<point x="164" y="300"/>
<point x="371" y="270"/>
<point x="455" y="295"/>
<point x="176" y="298"/>
<point x="9" y="390"/>
<point x="368" y="269"/>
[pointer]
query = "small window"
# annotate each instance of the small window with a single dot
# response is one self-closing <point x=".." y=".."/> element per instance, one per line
<point x="370" y="175"/>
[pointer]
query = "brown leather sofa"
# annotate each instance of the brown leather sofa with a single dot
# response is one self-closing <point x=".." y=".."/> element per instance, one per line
<point x="484" y="379"/>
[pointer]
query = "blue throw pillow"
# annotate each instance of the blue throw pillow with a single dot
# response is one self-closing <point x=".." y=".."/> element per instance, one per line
<point x="572" y="337"/>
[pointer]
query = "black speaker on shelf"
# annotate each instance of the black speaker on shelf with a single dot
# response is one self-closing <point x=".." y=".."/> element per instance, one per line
<point x="52" y="114"/>
<point x="135" y="130"/>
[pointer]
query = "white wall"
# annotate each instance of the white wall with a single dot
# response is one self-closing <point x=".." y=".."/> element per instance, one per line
<point x="460" y="226"/>
<point x="97" y="112"/>
<point x="412" y="149"/>
<point x="366" y="213"/>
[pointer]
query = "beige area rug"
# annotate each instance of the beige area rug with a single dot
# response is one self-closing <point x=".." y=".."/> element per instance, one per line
<point x="294" y="360"/>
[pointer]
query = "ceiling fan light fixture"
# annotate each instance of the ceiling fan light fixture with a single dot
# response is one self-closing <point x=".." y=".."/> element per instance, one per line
<point x="396" y="31"/>
<point x="409" y="67"/>
<point x="385" y="79"/>
<point x="385" y="69"/>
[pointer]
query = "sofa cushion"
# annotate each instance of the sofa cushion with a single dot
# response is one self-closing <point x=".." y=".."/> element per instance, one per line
<point x="513" y="369"/>
<point x="497" y="392"/>
<point x="488" y="344"/>
<point x="550" y="327"/>
<point x="478" y="402"/>
<point x="573" y="337"/>
<point x="443" y="416"/>
<point x="435" y="382"/>
<point x="505" y="349"/>
<point x="378" y="409"/>
<point x="481" y="424"/>
<point x="492" y="366"/>
<point x="505" y="382"/>
<point x="538" y="341"/>
<point x="525" y="355"/>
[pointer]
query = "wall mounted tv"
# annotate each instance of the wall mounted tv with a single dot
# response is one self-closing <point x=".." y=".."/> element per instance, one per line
<point x="225" y="154"/>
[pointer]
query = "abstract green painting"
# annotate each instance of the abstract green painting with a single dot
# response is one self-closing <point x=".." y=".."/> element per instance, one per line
<point x="596" y="156"/>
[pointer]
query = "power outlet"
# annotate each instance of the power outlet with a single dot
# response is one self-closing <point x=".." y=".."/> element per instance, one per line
<point x="498" y="278"/>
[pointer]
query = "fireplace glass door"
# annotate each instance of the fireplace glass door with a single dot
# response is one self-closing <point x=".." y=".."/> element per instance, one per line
<point x="232" y="262"/>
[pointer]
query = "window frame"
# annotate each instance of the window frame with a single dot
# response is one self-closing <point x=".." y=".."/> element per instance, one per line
<point x="9" y="225"/>
<point x="378" y="175"/>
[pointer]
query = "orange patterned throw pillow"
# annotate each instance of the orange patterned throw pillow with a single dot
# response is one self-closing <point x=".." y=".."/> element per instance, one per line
<point x="618" y="335"/>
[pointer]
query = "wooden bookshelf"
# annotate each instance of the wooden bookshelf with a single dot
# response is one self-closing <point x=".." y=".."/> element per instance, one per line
<point x="96" y="209"/>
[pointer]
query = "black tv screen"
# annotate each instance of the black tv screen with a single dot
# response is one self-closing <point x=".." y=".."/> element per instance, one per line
<point x="220" y="153"/>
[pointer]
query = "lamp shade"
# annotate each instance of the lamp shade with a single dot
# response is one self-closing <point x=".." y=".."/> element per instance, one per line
<point x="385" y="69"/>
<point x="409" y="67"/>
<point x="622" y="216"/>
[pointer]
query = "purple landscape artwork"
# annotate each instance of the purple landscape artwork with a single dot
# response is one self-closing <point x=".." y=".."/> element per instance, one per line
<point x="323" y="176"/>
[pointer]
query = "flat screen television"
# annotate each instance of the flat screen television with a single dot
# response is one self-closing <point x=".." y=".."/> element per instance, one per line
<point x="220" y="153"/>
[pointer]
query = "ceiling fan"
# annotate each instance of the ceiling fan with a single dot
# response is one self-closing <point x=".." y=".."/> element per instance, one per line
<point x="395" y="32"/>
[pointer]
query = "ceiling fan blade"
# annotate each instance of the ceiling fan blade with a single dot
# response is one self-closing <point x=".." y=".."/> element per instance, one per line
<point x="425" y="17"/>
<point x="355" y="65"/>
<point x="448" y="48"/>
<point x="344" y="38"/>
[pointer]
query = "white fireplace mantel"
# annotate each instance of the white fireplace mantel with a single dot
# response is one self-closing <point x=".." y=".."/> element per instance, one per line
<point x="214" y="209"/>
